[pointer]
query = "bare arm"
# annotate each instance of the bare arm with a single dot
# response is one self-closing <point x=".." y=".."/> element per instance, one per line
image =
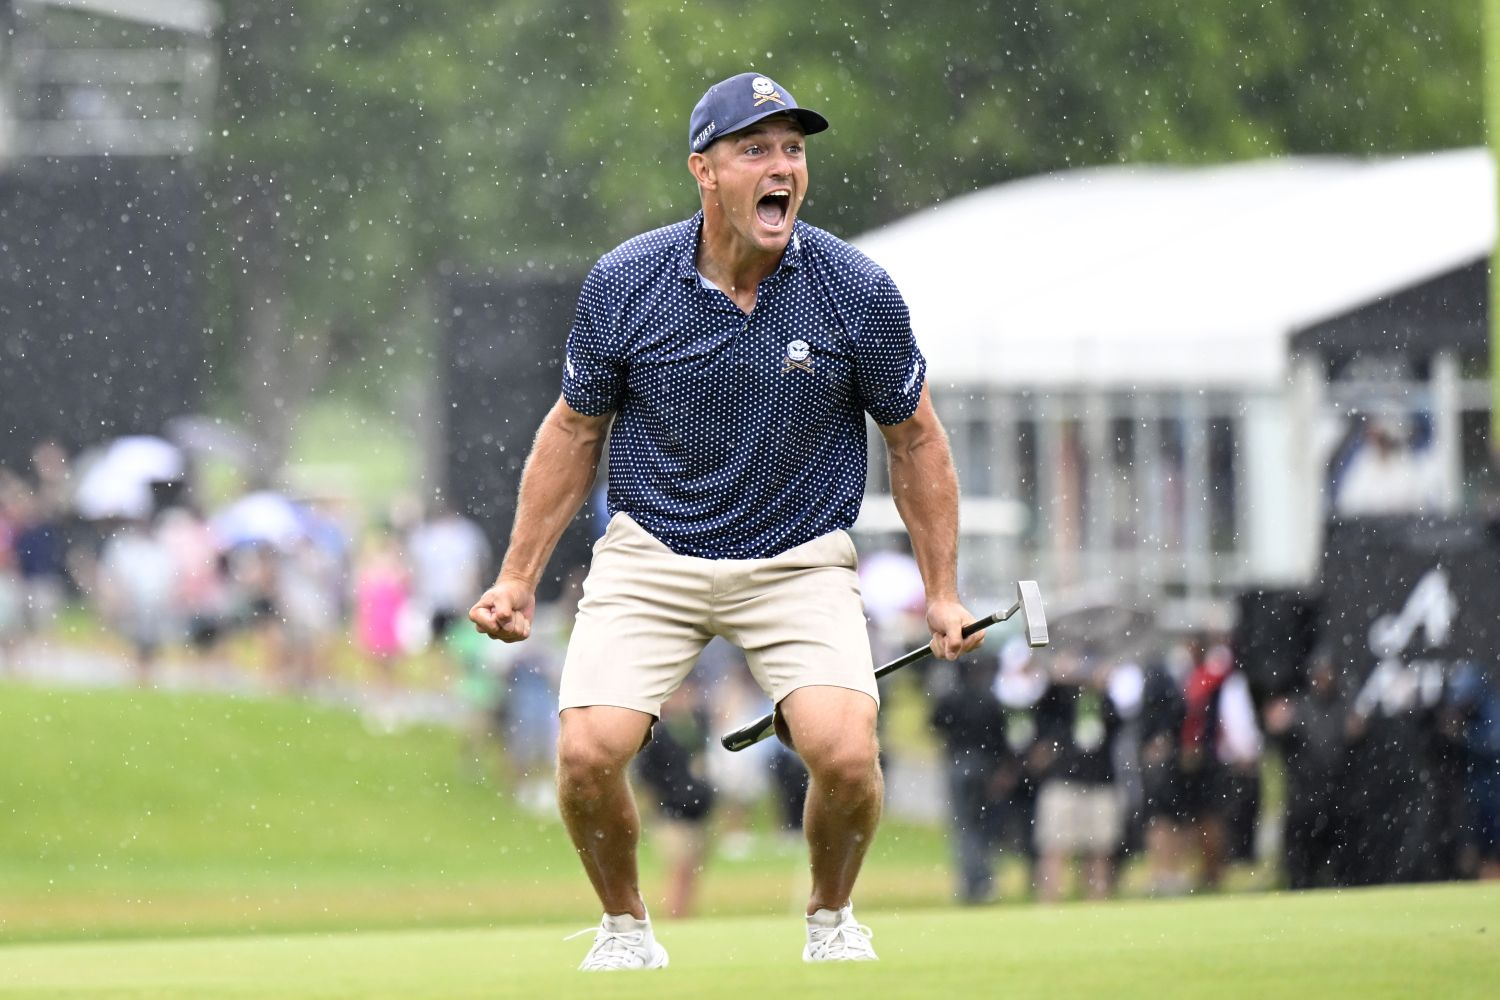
<point x="925" y="488"/>
<point x="559" y="472"/>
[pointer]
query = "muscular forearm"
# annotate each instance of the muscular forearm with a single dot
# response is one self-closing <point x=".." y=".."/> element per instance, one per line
<point x="558" y="474"/>
<point x="925" y="488"/>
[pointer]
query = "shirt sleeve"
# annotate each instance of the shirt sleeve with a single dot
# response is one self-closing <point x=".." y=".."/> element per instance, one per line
<point x="1241" y="734"/>
<point x="888" y="366"/>
<point x="593" y="372"/>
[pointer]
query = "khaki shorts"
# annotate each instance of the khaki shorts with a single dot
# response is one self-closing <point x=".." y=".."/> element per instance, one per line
<point x="1075" y="818"/>
<point x="647" y="613"/>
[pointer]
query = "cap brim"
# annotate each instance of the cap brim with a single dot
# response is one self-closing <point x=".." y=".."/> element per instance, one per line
<point x="810" y="121"/>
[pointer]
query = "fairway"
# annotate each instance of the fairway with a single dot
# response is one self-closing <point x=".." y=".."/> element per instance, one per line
<point x="1432" y="941"/>
<point x="147" y="814"/>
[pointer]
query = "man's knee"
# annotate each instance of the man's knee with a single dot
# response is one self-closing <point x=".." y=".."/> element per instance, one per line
<point x="841" y="757"/>
<point x="595" y="745"/>
<point x="852" y="761"/>
<point x="580" y="762"/>
<point x="833" y="730"/>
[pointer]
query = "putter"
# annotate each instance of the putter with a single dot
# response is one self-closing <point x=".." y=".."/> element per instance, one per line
<point x="1028" y="602"/>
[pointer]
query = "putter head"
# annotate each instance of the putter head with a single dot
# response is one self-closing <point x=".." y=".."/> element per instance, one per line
<point x="1029" y="595"/>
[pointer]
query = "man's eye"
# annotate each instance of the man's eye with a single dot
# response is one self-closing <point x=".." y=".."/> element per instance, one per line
<point x="752" y="149"/>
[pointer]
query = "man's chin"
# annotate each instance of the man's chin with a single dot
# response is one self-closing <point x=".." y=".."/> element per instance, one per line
<point x="774" y="240"/>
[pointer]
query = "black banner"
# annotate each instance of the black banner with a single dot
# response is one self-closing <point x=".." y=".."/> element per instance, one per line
<point x="502" y="372"/>
<point x="1406" y="601"/>
<point x="100" y="301"/>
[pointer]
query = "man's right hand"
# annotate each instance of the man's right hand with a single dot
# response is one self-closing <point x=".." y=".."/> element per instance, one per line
<point x="505" y="611"/>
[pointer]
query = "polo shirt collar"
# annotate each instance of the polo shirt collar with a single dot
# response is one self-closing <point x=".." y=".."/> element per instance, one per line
<point x="687" y="265"/>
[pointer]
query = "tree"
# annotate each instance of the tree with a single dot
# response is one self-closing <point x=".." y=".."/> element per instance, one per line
<point x="368" y="149"/>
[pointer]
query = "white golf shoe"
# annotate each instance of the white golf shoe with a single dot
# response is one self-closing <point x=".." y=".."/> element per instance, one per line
<point x="835" y="936"/>
<point x="623" y="942"/>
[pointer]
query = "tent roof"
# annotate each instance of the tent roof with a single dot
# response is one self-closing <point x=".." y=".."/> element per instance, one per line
<point x="197" y="16"/>
<point x="1159" y="276"/>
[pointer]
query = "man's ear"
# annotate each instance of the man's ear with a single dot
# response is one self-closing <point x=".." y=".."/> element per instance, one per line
<point x="701" y="166"/>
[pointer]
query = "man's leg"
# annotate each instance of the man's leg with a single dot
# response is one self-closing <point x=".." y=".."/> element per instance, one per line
<point x="833" y="730"/>
<point x="594" y="749"/>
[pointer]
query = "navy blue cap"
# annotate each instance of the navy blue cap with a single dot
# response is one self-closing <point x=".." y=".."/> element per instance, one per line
<point x="740" y="102"/>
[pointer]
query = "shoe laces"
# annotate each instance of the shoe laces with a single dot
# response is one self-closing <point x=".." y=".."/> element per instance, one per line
<point x="848" y="939"/>
<point x="612" y="949"/>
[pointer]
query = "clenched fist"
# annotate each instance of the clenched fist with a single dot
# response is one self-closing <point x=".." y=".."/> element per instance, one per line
<point x="505" y="611"/>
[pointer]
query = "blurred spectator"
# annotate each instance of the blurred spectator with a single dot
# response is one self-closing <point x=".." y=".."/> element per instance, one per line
<point x="135" y="586"/>
<point x="1018" y="687"/>
<point x="449" y="558"/>
<point x="1126" y="687"/>
<point x="479" y="686"/>
<point x="671" y="766"/>
<point x="1386" y="473"/>
<point x="309" y="585"/>
<point x="1474" y="704"/>
<point x="1220" y="750"/>
<point x="789" y="784"/>
<point x="1078" y="811"/>
<point x="741" y="779"/>
<point x="895" y="600"/>
<point x="1310" y="730"/>
<point x="531" y="701"/>
<point x="41" y="557"/>
<point x="200" y="597"/>
<point x="981" y="773"/>
<point x="54" y="479"/>
<point x="1162" y="713"/>
<point x="250" y="582"/>
<point x="380" y="594"/>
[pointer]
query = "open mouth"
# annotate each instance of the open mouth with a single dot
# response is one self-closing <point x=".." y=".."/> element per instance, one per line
<point x="773" y="207"/>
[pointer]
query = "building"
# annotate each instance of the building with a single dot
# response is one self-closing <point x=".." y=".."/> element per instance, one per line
<point x="1148" y="371"/>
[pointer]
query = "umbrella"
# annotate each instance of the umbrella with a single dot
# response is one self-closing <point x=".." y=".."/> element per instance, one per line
<point x="118" y="484"/>
<point x="264" y="518"/>
<point x="210" y="436"/>
<point x="1100" y="621"/>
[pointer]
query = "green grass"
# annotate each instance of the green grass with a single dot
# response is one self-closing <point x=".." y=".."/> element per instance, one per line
<point x="173" y="846"/>
<point x="1369" y="945"/>
<point x="130" y="813"/>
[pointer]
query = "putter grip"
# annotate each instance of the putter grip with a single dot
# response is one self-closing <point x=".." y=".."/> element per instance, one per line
<point x="749" y="735"/>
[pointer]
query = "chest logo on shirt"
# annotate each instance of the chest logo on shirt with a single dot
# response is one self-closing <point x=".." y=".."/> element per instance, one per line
<point x="798" y="356"/>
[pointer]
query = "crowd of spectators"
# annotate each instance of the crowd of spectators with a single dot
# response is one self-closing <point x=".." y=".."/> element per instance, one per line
<point x="313" y="585"/>
<point x="1071" y="757"/>
<point x="303" y="594"/>
<point x="1070" y="760"/>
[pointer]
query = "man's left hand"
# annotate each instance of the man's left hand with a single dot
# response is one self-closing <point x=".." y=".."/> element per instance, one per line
<point x="946" y="619"/>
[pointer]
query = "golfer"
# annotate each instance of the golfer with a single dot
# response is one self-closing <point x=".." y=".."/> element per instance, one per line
<point x="730" y="361"/>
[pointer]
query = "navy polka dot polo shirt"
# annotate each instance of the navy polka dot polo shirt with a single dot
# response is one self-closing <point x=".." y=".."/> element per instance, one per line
<point x="740" y="436"/>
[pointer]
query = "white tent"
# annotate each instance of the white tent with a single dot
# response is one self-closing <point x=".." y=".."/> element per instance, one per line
<point x="1175" y="276"/>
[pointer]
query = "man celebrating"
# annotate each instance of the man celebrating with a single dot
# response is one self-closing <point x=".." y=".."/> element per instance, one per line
<point x="730" y="360"/>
